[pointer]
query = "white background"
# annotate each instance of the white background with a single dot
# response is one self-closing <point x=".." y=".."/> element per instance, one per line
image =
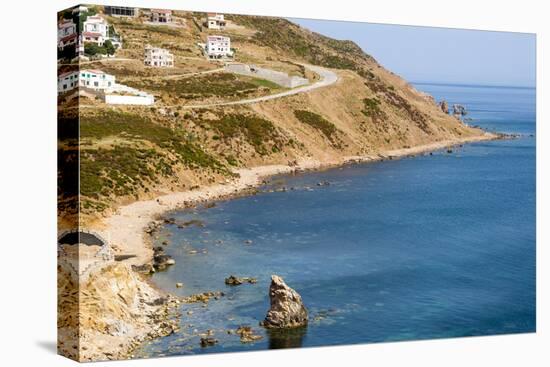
<point x="28" y="182"/>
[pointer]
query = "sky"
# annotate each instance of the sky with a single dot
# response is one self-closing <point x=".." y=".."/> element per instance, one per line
<point x="441" y="55"/>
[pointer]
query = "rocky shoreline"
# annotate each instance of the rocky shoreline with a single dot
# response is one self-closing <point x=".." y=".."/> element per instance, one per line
<point x="132" y="227"/>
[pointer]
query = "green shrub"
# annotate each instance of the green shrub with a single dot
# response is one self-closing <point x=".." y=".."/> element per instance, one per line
<point x="136" y="127"/>
<point x="256" y="131"/>
<point x="214" y="85"/>
<point x="318" y="122"/>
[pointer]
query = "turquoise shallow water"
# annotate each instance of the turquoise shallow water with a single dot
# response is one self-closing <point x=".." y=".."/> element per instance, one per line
<point x="435" y="246"/>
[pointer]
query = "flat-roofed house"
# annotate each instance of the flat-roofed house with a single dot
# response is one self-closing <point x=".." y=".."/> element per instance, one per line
<point x="96" y="79"/>
<point x="158" y="57"/>
<point x="161" y="16"/>
<point x="66" y="34"/>
<point x="121" y="11"/>
<point x="218" y="47"/>
<point x="215" y="21"/>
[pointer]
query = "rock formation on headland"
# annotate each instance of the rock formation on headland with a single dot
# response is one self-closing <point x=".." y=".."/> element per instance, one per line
<point x="444" y="106"/>
<point x="287" y="309"/>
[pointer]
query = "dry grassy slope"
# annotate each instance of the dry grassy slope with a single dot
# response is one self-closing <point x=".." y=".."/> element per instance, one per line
<point x="369" y="110"/>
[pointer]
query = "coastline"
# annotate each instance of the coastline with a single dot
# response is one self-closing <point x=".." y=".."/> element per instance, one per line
<point x="125" y="229"/>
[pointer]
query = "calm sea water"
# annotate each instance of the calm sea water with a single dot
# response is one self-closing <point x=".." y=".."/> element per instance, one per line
<point x="428" y="247"/>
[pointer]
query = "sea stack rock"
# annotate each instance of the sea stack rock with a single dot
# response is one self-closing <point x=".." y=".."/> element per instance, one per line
<point x="459" y="110"/>
<point x="287" y="309"/>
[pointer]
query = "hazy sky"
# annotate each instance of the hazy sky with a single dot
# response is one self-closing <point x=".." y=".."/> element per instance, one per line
<point x="424" y="54"/>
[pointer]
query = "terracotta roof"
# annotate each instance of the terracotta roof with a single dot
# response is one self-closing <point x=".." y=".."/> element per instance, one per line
<point x="69" y="37"/>
<point x="94" y="71"/>
<point x="217" y="38"/>
<point x="62" y="75"/>
<point x="65" y="23"/>
<point x="92" y="34"/>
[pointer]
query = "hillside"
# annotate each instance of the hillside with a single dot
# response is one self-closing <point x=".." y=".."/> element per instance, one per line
<point x="137" y="152"/>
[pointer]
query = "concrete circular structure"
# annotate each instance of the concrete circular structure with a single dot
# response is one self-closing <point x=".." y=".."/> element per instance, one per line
<point x="81" y="237"/>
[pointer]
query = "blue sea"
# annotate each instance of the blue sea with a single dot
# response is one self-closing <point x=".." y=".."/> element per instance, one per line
<point x="435" y="246"/>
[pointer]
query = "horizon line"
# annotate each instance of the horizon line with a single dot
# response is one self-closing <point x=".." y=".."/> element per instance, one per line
<point x="482" y="85"/>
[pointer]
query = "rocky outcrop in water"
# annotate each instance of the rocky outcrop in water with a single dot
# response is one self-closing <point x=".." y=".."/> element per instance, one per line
<point x="459" y="110"/>
<point x="247" y="334"/>
<point x="233" y="280"/>
<point x="161" y="260"/>
<point x="287" y="309"/>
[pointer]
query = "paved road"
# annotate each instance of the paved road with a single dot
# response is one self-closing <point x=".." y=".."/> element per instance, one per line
<point x="327" y="78"/>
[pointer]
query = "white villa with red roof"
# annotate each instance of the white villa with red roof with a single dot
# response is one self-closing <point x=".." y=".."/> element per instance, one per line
<point x="215" y="21"/>
<point x="66" y="34"/>
<point x="218" y="47"/>
<point x="95" y="30"/>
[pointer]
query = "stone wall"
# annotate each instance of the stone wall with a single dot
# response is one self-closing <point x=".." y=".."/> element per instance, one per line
<point x="277" y="77"/>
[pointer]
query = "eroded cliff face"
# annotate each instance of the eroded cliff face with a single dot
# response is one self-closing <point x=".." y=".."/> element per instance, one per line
<point x="109" y="313"/>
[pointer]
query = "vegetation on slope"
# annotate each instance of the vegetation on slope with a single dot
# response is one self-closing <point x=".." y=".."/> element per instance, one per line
<point x="258" y="132"/>
<point x="203" y="86"/>
<point x="282" y="35"/>
<point x="318" y="122"/>
<point x="149" y="151"/>
<point x="371" y="108"/>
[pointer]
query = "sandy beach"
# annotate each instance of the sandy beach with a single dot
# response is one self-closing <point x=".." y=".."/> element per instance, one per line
<point x="125" y="228"/>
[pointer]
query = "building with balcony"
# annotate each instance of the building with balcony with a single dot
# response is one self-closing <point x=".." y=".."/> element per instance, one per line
<point x="161" y="16"/>
<point x="218" y="47"/>
<point x="121" y="11"/>
<point x="66" y="34"/>
<point x="158" y="57"/>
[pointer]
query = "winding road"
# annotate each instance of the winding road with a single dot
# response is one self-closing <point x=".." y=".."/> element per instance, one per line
<point x="327" y="78"/>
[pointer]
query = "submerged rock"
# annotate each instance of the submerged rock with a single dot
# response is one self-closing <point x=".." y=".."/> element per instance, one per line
<point x="247" y="334"/>
<point x="233" y="280"/>
<point x="287" y="309"/>
<point x="203" y="297"/>
<point x="206" y="342"/>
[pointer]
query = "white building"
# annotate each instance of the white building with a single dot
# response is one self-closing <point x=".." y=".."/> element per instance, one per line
<point x="67" y="81"/>
<point x="96" y="79"/>
<point x="161" y="16"/>
<point x="66" y="34"/>
<point x="103" y="85"/>
<point x="218" y="47"/>
<point x="80" y="9"/>
<point x="121" y="11"/>
<point x="158" y="57"/>
<point x="96" y="30"/>
<point x="215" y="21"/>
